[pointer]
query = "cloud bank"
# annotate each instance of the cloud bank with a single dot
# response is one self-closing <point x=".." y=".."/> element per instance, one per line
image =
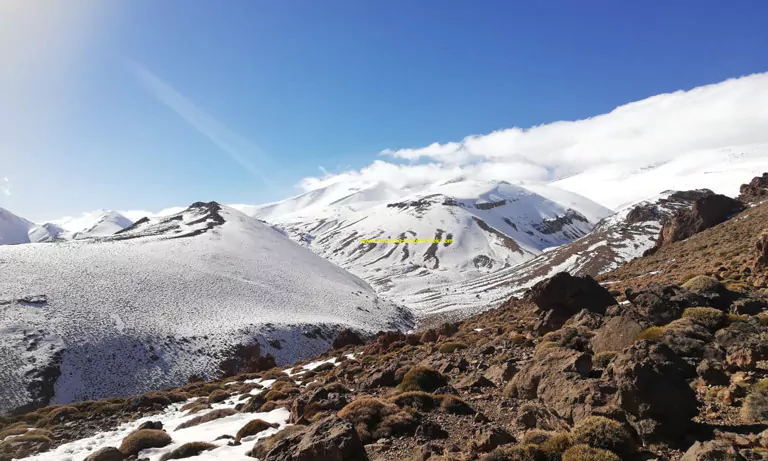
<point x="652" y="131"/>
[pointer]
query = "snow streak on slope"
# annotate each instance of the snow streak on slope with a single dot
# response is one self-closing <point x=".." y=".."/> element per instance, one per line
<point x="720" y="170"/>
<point x="165" y="299"/>
<point x="614" y="241"/>
<point x="481" y="227"/>
<point x="13" y="229"/>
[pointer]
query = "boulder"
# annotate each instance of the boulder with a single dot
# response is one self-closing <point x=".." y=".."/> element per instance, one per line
<point x="106" y="454"/>
<point x="761" y="252"/>
<point x="713" y="450"/>
<point x="347" y="337"/>
<point x="617" y="332"/>
<point x="653" y="391"/>
<point x="332" y="397"/>
<point x="749" y="306"/>
<point x="563" y="295"/>
<point x="712" y="373"/>
<point x="488" y="438"/>
<point x="754" y="191"/>
<point x="330" y="439"/>
<point x="706" y="212"/>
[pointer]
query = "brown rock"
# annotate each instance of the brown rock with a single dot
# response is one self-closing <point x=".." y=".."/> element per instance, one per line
<point x="754" y="191"/>
<point x="106" y="454"/>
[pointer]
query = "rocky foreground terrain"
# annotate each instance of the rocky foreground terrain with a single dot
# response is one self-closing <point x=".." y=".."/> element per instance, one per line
<point x="665" y="358"/>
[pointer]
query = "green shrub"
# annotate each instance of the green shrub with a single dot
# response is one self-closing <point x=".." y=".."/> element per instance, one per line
<point x="730" y="319"/>
<point x="420" y="378"/>
<point x="651" y="334"/>
<point x="455" y="405"/>
<point x="254" y="427"/>
<point x="188" y="450"/>
<point x="447" y="348"/>
<point x="755" y="407"/>
<point x="274" y="373"/>
<point x="702" y="283"/>
<point x="417" y="400"/>
<point x="275" y="395"/>
<point x="374" y="419"/>
<point x="143" y="439"/>
<point x="708" y="317"/>
<point x="602" y="359"/>
<point x="217" y="396"/>
<point x="587" y="453"/>
<point x="554" y="447"/>
<point x="525" y="452"/>
<point x="601" y="432"/>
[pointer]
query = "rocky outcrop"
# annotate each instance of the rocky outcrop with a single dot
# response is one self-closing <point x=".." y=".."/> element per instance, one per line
<point x="653" y="391"/>
<point x="706" y="212"/>
<point x="562" y="296"/>
<point x="330" y="439"/>
<point x="347" y="337"/>
<point x="754" y="191"/>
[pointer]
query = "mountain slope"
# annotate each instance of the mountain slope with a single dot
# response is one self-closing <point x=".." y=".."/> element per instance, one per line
<point x="13" y="229"/>
<point x="99" y="223"/>
<point x="464" y="229"/>
<point x="614" y="241"/>
<point x="163" y="300"/>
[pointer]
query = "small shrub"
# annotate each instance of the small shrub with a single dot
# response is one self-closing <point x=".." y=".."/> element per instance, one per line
<point x="195" y="407"/>
<point x="275" y="395"/>
<point x="702" y="283"/>
<point x="416" y="400"/>
<point x="447" y="348"/>
<point x="587" y="453"/>
<point x="601" y="432"/>
<point x="274" y="373"/>
<point x="282" y="386"/>
<point x="456" y="406"/>
<point x="651" y="334"/>
<point x="189" y="450"/>
<point x="602" y="359"/>
<point x="15" y="430"/>
<point x="217" y="396"/>
<point x="253" y="428"/>
<point x="755" y="407"/>
<point x="420" y="378"/>
<point x="707" y="317"/>
<point x="62" y="414"/>
<point x="374" y="419"/>
<point x="517" y="339"/>
<point x="210" y="416"/>
<point x="524" y="452"/>
<point x="554" y="447"/>
<point x="730" y="319"/>
<point x="143" y="439"/>
<point x="327" y="366"/>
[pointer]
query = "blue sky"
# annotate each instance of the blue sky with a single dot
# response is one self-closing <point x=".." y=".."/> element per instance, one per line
<point x="96" y="106"/>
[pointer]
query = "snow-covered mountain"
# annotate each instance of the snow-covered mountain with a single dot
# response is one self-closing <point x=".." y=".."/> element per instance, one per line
<point x="471" y="228"/>
<point x="13" y="229"/>
<point x="99" y="223"/>
<point x="164" y="299"/>
<point x="614" y="241"/>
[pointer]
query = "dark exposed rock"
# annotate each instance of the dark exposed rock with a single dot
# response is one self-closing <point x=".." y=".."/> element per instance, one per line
<point x="563" y="295"/>
<point x="749" y="306"/>
<point x="712" y="373"/>
<point x="330" y="439"/>
<point x="706" y="212"/>
<point x="106" y="454"/>
<point x="755" y="190"/>
<point x="347" y="337"/>
<point x="246" y="358"/>
<point x="429" y="430"/>
<point x="489" y="438"/>
<point x="151" y="425"/>
<point x="332" y="397"/>
<point x="761" y="253"/>
<point x="714" y="450"/>
<point x="653" y="390"/>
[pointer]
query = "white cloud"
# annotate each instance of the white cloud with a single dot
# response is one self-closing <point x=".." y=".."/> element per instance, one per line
<point x="5" y="186"/>
<point x="651" y="131"/>
<point x="238" y="148"/>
